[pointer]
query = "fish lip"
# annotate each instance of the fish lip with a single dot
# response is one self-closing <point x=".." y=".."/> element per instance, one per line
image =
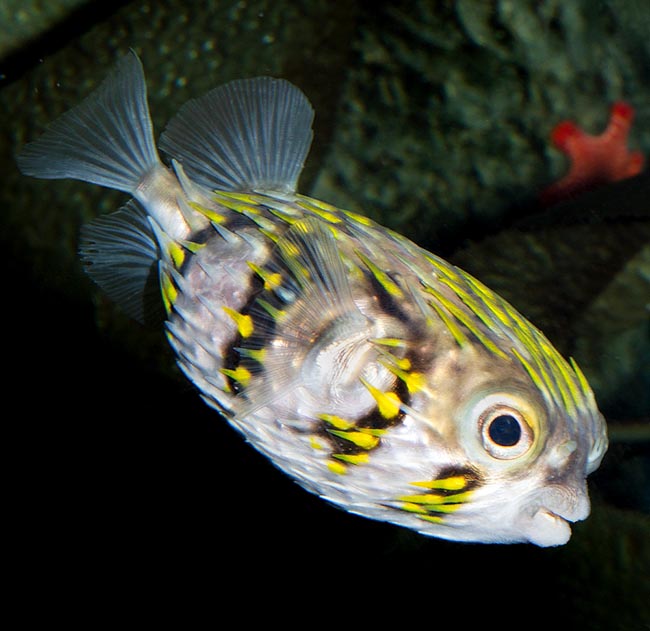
<point x="570" y="504"/>
<point x="548" y="528"/>
<point x="548" y="513"/>
<point x="547" y="519"/>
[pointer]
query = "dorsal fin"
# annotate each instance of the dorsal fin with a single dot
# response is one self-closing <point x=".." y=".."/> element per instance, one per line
<point x="120" y="254"/>
<point x="251" y="134"/>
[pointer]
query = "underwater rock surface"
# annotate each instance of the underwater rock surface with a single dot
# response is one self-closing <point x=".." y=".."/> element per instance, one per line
<point x="434" y="119"/>
<point x="447" y="112"/>
<point x="23" y="20"/>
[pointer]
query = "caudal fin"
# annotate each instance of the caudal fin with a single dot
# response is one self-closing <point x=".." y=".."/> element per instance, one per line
<point x="107" y="139"/>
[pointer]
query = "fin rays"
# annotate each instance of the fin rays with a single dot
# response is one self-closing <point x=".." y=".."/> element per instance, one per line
<point x="107" y="139"/>
<point x="245" y="135"/>
<point x="312" y="270"/>
<point x="120" y="253"/>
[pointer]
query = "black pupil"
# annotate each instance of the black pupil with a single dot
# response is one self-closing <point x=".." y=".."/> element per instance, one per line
<point x="505" y="430"/>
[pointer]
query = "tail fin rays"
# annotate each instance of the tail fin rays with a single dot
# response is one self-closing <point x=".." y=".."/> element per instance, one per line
<point x="107" y="139"/>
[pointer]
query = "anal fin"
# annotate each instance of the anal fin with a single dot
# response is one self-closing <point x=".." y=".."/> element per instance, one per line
<point x="120" y="254"/>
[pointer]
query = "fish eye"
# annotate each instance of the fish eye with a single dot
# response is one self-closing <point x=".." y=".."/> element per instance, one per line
<point x="505" y="432"/>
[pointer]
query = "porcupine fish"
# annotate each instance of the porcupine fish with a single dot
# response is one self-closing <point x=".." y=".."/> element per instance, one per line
<point x="377" y="375"/>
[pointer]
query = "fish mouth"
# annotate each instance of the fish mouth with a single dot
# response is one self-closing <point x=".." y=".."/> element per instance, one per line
<point x="553" y="512"/>
<point x="555" y="517"/>
<point x="548" y="528"/>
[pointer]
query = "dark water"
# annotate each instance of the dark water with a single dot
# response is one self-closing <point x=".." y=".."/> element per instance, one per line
<point x="434" y="118"/>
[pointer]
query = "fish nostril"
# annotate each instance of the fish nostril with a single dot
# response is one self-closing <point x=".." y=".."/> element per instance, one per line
<point x="559" y="456"/>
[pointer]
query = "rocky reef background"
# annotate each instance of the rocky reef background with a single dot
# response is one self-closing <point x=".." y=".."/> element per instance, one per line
<point x="434" y="119"/>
